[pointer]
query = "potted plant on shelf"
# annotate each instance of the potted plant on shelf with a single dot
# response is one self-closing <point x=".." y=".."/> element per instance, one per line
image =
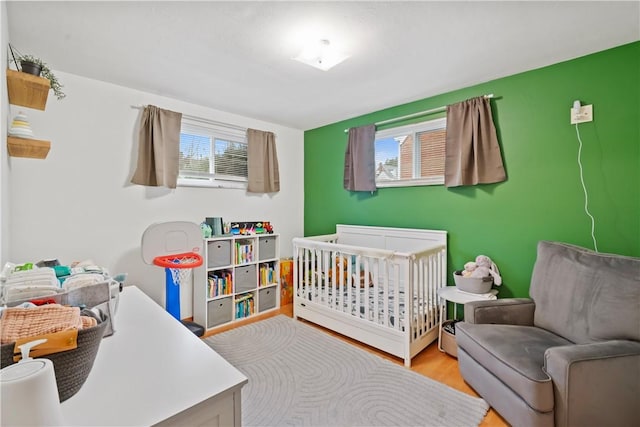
<point x="34" y="65"/>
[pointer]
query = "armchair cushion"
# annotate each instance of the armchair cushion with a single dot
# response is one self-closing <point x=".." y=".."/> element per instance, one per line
<point x="610" y="367"/>
<point x="586" y="296"/>
<point x="517" y="353"/>
<point x="510" y="311"/>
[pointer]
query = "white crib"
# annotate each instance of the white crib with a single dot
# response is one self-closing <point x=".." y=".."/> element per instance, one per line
<point x="377" y="285"/>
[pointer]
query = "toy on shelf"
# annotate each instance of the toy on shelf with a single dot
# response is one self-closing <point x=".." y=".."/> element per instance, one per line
<point x="20" y="127"/>
<point x="206" y="230"/>
<point x="251" y="227"/>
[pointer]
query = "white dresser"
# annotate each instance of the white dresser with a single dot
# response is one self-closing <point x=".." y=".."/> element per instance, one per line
<point x="153" y="370"/>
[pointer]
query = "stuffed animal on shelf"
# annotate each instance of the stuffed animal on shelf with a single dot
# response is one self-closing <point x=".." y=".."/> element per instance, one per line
<point x="483" y="266"/>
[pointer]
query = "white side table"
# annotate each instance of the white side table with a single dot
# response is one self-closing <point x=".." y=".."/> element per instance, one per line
<point x="451" y="293"/>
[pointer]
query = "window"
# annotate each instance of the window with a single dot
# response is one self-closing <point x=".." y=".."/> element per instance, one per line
<point x="212" y="155"/>
<point x="411" y="155"/>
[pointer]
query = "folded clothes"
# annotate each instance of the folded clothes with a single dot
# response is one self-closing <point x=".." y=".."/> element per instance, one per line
<point x="82" y="280"/>
<point x="18" y="322"/>
<point x="88" y="322"/>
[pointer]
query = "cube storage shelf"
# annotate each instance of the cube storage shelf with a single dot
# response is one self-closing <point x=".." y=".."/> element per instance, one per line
<point x="242" y="279"/>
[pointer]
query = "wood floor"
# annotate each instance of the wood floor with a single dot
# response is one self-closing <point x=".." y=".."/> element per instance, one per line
<point x="430" y="362"/>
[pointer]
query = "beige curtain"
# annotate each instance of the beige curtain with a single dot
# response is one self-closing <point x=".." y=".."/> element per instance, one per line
<point x="472" y="153"/>
<point x="159" y="148"/>
<point x="262" y="162"/>
<point x="359" y="159"/>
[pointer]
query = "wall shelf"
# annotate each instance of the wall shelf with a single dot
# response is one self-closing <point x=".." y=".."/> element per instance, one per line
<point x="27" y="90"/>
<point x="31" y="148"/>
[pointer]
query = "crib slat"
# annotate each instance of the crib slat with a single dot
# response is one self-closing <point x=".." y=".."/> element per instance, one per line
<point x="305" y="278"/>
<point x="426" y="304"/>
<point x="410" y="295"/>
<point x="419" y="283"/>
<point x="343" y="286"/>
<point x="354" y="301"/>
<point x="320" y="283"/>
<point x="364" y="284"/>
<point x="397" y="283"/>
<point x="385" y="290"/>
<point x="429" y="264"/>
<point x="296" y="271"/>
<point x="375" y="276"/>
<point x="437" y="261"/>
<point x="424" y="313"/>
<point x="314" y="277"/>
<point x="423" y="304"/>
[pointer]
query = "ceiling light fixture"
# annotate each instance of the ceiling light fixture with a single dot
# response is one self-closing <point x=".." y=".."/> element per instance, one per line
<point x="321" y="55"/>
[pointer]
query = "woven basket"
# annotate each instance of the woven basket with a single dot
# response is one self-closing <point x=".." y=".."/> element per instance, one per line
<point x="71" y="367"/>
<point x="474" y="285"/>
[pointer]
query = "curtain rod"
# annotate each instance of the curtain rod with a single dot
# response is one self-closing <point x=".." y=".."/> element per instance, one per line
<point x="418" y="114"/>
<point x="201" y="120"/>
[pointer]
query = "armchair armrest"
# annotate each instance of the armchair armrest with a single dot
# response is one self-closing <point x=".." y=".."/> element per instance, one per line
<point x="596" y="384"/>
<point x="510" y="311"/>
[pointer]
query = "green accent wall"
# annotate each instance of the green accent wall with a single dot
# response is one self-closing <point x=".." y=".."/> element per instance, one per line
<point x="542" y="198"/>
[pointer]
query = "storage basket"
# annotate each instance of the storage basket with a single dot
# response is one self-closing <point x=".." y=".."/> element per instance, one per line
<point x="71" y="367"/>
<point x="449" y="344"/>
<point x="475" y="285"/>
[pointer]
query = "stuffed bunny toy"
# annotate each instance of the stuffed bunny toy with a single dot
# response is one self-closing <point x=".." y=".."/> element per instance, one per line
<point x="485" y="267"/>
<point x="469" y="267"/>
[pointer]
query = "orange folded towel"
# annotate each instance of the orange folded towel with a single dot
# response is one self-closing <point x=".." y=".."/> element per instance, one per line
<point x="19" y="322"/>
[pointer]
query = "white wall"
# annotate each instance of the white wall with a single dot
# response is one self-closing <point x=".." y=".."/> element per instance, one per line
<point x="4" y="158"/>
<point x="78" y="204"/>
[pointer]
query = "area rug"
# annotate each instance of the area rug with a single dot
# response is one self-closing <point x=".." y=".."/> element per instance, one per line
<point x="301" y="376"/>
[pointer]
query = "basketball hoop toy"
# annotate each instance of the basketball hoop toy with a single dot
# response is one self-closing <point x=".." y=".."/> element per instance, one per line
<point x="175" y="246"/>
<point x="177" y="269"/>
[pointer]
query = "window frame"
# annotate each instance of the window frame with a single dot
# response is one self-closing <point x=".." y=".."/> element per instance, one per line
<point x="213" y="131"/>
<point x="415" y="129"/>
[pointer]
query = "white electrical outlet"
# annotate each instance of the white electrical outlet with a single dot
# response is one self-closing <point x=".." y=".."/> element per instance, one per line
<point x="584" y="114"/>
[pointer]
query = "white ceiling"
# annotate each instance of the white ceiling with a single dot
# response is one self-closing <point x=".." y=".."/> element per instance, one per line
<point x="236" y="56"/>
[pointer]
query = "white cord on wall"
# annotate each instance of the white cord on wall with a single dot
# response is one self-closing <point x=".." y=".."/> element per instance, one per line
<point x="586" y="196"/>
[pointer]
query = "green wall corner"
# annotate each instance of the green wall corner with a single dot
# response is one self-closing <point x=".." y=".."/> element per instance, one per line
<point x="542" y="198"/>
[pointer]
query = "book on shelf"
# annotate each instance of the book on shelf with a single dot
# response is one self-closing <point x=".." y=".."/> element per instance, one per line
<point x="267" y="275"/>
<point x="244" y="306"/>
<point x="219" y="284"/>
<point x="244" y="253"/>
<point x="244" y="297"/>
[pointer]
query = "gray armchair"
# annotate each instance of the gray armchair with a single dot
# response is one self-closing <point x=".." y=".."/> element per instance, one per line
<point x="569" y="355"/>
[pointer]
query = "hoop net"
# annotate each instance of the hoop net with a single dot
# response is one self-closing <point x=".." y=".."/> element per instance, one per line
<point x="180" y="265"/>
